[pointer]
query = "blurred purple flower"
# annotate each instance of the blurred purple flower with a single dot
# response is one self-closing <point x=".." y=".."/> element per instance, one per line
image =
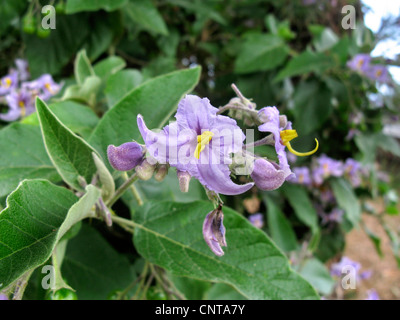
<point x="372" y="295"/>
<point x="303" y="176"/>
<point x="22" y="69"/>
<point x="325" y="168"/>
<point x="378" y="73"/>
<point x="3" y="297"/>
<point x="337" y="269"/>
<point x="8" y="83"/>
<point x="336" y="215"/>
<point x="20" y="103"/>
<point x="200" y="143"/>
<point x="257" y="220"/>
<point x="125" y="157"/>
<point x="352" y="170"/>
<point x="351" y="134"/>
<point x="365" y="275"/>
<point x="44" y="87"/>
<point x="214" y="231"/>
<point x="360" y="62"/>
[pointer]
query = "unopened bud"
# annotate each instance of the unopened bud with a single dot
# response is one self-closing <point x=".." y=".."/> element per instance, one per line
<point x="145" y="170"/>
<point x="184" y="180"/>
<point x="161" y="172"/>
<point x="266" y="176"/>
<point x="126" y="156"/>
<point x="214" y="231"/>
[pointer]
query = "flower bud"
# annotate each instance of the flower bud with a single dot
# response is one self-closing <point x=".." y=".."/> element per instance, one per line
<point x="266" y="176"/>
<point x="161" y="172"/>
<point x="184" y="180"/>
<point x="145" y="170"/>
<point x="125" y="157"/>
<point x="214" y="231"/>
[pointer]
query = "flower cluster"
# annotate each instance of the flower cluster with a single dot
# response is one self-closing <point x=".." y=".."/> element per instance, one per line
<point x="314" y="177"/>
<point x="209" y="147"/>
<point x="19" y="94"/>
<point x="362" y="64"/>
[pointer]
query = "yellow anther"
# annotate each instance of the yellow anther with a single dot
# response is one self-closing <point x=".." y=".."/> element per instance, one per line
<point x="21" y="104"/>
<point x="48" y="87"/>
<point x="287" y="136"/>
<point x="8" y="83"/>
<point x="378" y="73"/>
<point x="360" y="63"/>
<point x="202" y="140"/>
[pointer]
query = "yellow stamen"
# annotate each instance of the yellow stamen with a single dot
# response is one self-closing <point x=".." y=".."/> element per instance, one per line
<point x="202" y="141"/>
<point x="378" y="73"/>
<point x="21" y="104"/>
<point x="360" y="63"/>
<point x="8" y="83"/>
<point x="287" y="136"/>
<point x="48" y="87"/>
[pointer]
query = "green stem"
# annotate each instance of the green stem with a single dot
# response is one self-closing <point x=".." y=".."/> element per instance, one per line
<point x="135" y="192"/>
<point x="120" y="191"/>
<point x="143" y="278"/>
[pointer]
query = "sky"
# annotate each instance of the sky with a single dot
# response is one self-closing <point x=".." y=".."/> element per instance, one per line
<point x="389" y="48"/>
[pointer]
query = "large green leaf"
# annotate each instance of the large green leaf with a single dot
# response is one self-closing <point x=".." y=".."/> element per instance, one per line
<point x="30" y="226"/>
<point x="77" y="117"/>
<point x="170" y="235"/>
<point x="82" y="67"/>
<point x="304" y="63"/>
<point x="109" y="66"/>
<point x="301" y="203"/>
<point x="144" y="13"/>
<point x="74" y="6"/>
<point x="70" y="154"/>
<point x="279" y="227"/>
<point x="93" y="267"/>
<point x="318" y="275"/>
<point x="23" y="156"/>
<point x="261" y="52"/>
<point x="347" y="200"/>
<point x="155" y="99"/>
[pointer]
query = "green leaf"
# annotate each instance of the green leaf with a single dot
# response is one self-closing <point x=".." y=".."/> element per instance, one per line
<point x="30" y="226"/>
<point x="315" y="272"/>
<point x="74" y="6"/>
<point x="82" y="67"/>
<point x="170" y="235"/>
<point x="261" y="52"/>
<point x="105" y="177"/>
<point x="77" y="117"/>
<point x="301" y="203"/>
<point x="69" y="153"/>
<point x="23" y="156"/>
<point x="49" y="55"/>
<point x="305" y="63"/>
<point x="192" y="289"/>
<point x="10" y="10"/>
<point x="120" y="83"/>
<point x="332" y="242"/>
<point x="221" y="291"/>
<point x="280" y="229"/>
<point x="324" y="38"/>
<point x="347" y="200"/>
<point x="93" y="267"/>
<point x="86" y="92"/>
<point x="312" y="107"/>
<point x="118" y="125"/>
<point x="109" y="66"/>
<point x="376" y="240"/>
<point x="145" y="14"/>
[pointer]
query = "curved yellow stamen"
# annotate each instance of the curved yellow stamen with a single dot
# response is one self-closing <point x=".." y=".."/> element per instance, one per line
<point x="202" y="141"/>
<point x="288" y="135"/>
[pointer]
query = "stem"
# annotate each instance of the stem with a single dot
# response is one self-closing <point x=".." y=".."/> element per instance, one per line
<point x="143" y="278"/>
<point x="120" y="191"/>
<point x="123" y="221"/>
<point x="167" y="290"/>
<point x="266" y="140"/>
<point x="135" y="192"/>
<point x="21" y="285"/>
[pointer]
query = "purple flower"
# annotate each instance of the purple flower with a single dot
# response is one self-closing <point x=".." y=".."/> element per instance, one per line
<point x="20" y="105"/>
<point x="325" y="168"/>
<point x="360" y="62"/>
<point x="365" y="275"/>
<point x="352" y="170"/>
<point x="214" y="231"/>
<point x="8" y="83"/>
<point x="257" y="220"/>
<point x="303" y="176"/>
<point x="44" y="86"/>
<point x="283" y="134"/>
<point x="372" y="295"/>
<point x="336" y="215"/>
<point x="200" y="143"/>
<point x="337" y="269"/>
<point x="22" y="69"/>
<point x="378" y="73"/>
<point x="125" y="157"/>
<point x="3" y="297"/>
<point x="267" y="175"/>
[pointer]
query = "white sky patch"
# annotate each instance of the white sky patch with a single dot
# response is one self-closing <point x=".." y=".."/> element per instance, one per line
<point x="388" y="48"/>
